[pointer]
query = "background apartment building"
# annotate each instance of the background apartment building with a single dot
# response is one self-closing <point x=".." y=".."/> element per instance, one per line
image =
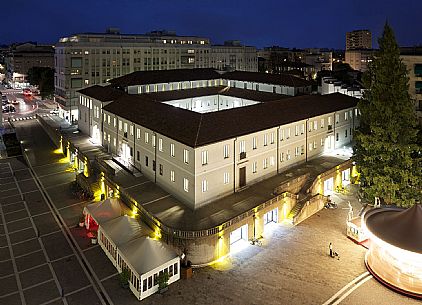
<point x="359" y="59"/>
<point x="83" y="60"/>
<point x="412" y="58"/>
<point x="22" y="57"/>
<point x="358" y="39"/>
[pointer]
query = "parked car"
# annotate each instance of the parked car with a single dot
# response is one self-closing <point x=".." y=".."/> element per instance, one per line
<point x="9" y="108"/>
<point x="27" y="92"/>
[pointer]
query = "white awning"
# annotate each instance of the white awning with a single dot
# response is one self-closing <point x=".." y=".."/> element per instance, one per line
<point x="105" y="210"/>
<point x="122" y="229"/>
<point x="145" y="254"/>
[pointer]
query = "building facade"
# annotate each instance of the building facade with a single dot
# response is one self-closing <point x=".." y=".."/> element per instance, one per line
<point x="173" y="139"/>
<point x="412" y="58"/>
<point x="359" y="59"/>
<point x="84" y="60"/>
<point x="358" y="39"/>
<point x="23" y="57"/>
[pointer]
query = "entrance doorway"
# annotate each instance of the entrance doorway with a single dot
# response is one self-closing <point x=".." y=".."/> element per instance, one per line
<point x="328" y="186"/>
<point x="238" y="237"/>
<point x="242" y="176"/>
<point x="329" y="143"/>
<point x="271" y="216"/>
<point x="345" y="177"/>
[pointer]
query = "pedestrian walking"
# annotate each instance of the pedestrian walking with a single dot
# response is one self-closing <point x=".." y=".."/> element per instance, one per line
<point x="331" y="249"/>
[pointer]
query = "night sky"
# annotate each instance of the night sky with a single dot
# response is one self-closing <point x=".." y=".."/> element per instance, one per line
<point x="290" y="23"/>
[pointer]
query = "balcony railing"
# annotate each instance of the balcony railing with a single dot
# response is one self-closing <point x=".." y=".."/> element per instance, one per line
<point x="242" y="155"/>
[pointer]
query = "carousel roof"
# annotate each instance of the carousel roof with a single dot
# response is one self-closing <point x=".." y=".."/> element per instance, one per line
<point x="105" y="210"/>
<point x="398" y="227"/>
<point x="123" y="229"/>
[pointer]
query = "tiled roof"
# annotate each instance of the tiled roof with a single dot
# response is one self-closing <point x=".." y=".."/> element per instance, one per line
<point x="164" y="76"/>
<point x="103" y="94"/>
<point x="198" y="129"/>
<point x="267" y="78"/>
<point x="178" y="75"/>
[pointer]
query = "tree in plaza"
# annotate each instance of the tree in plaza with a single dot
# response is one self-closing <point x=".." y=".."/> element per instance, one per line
<point x="386" y="150"/>
<point x="43" y="77"/>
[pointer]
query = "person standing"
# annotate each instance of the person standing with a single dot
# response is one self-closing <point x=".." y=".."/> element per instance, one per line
<point x="331" y="249"/>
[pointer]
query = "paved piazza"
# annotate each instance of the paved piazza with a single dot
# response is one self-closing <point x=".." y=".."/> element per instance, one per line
<point x="46" y="259"/>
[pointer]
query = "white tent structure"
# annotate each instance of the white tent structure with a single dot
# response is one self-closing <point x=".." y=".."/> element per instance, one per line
<point x="99" y="212"/>
<point x="118" y="231"/>
<point x="145" y="259"/>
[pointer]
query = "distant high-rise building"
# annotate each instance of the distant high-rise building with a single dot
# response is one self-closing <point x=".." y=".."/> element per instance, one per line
<point x="86" y="59"/>
<point x="359" y="59"/>
<point x="359" y="39"/>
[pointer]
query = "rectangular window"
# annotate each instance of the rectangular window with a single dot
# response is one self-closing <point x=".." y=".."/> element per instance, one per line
<point x="146" y="137"/>
<point x="272" y="137"/>
<point x="272" y="161"/>
<point x="114" y="122"/>
<point x="186" y="184"/>
<point x="172" y="176"/>
<point x="144" y="285"/>
<point x="150" y="282"/>
<point x="160" y="144"/>
<point x="322" y="123"/>
<point x="336" y="136"/>
<point x="345" y="116"/>
<point x="114" y="142"/>
<point x="242" y="146"/>
<point x="146" y="161"/>
<point x="204" y="186"/>
<point x="315" y="125"/>
<point x="254" y="166"/>
<point x="172" y="149"/>
<point x="120" y="125"/>
<point x="281" y="134"/>
<point x="265" y="163"/>
<point x="296" y="130"/>
<point x="288" y="133"/>
<point x="186" y="156"/>
<point x="138" y="133"/>
<point x="138" y="157"/>
<point x="204" y="157"/>
<point x="254" y="143"/>
<point x="265" y="139"/>
<point x="302" y="150"/>
<point x="125" y="127"/>
<point x="131" y="130"/>
<point x="310" y="146"/>
<point x="175" y="268"/>
<point x="345" y="133"/>
<point x="337" y="118"/>
<point x="153" y="140"/>
<point x="281" y="157"/>
<point x="226" y="151"/>
<point x="297" y="151"/>
<point x="288" y="156"/>
<point x="161" y="169"/>
<point x="314" y="144"/>
<point x="226" y="179"/>
<point x="155" y="279"/>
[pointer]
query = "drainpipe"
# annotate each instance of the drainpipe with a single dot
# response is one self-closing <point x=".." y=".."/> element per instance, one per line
<point x="234" y="165"/>
<point x="134" y="144"/>
<point x="155" y="157"/>
<point x="334" y="130"/>
<point x="117" y="133"/>
<point x="306" y="140"/>
<point x="278" y="149"/>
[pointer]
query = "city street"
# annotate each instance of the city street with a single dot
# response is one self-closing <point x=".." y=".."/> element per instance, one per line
<point x="42" y="251"/>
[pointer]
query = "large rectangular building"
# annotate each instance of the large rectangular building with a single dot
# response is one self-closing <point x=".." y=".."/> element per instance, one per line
<point x="204" y="139"/>
<point x="83" y="60"/>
